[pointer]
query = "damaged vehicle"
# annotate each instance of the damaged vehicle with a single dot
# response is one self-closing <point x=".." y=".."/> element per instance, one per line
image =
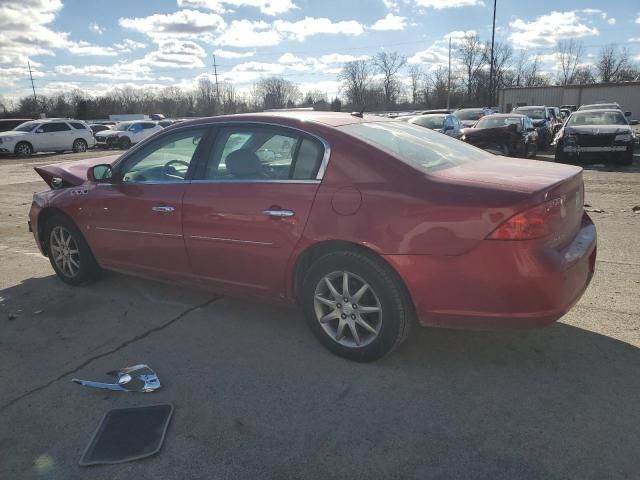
<point x="469" y="116"/>
<point x="602" y="135"/>
<point x="504" y="134"/>
<point x="544" y="121"/>
<point x="125" y="134"/>
<point x="369" y="224"/>
<point x="441" y="123"/>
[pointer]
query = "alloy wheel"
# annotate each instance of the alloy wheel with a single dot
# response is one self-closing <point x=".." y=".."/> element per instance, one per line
<point x="23" y="150"/>
<point x="65" y="251"/>
<point x="79" y="146"/>
<point x="348" y="309"/>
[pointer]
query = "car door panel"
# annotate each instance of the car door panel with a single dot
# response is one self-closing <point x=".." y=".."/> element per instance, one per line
<point x="231" y="241"/>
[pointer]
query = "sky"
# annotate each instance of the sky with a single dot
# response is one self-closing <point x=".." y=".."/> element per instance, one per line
<point x="99" y="45"/>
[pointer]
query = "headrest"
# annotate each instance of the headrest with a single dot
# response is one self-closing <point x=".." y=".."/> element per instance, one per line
<point x="244" y="163"/>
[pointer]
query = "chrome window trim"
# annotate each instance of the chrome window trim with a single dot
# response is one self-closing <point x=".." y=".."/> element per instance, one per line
<point x="324" y="163"/>
<point x="249" y="180"/>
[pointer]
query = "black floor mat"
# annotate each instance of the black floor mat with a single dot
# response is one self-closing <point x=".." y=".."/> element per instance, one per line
<point x="127" y="434"/>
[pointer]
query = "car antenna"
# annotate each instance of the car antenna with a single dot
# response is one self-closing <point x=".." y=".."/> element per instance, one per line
<point x="360" y="113"/>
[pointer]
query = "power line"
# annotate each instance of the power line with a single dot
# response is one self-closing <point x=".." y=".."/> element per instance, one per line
<point x="35" y="98"/>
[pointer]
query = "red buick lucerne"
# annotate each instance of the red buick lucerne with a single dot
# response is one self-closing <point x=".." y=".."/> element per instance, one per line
<point x="368" y="223"/>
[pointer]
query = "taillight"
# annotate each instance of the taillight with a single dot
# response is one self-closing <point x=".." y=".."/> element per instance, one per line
<point x="536" y="222"/>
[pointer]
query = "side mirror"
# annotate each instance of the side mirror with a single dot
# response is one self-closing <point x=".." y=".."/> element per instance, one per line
<point x="102" y="173"/>
<point x="633" y="122"/>
<point x="627" y="114"/>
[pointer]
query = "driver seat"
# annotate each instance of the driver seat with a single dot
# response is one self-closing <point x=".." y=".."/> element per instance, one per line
<point x="244" y="163"/>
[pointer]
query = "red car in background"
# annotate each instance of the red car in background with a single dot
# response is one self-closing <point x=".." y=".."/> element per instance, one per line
<point x="368" y="223"/>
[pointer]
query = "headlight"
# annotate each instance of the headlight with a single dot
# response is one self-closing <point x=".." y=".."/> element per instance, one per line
<point x="6" y="139"/>
<point x="623" y="137"/>
<point x="463" y="137"/>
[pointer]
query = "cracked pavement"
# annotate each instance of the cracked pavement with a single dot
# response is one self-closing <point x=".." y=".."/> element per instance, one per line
<point x="257" y="397"/>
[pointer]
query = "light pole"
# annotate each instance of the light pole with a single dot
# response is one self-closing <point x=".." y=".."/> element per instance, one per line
<point x="493" y="36"/>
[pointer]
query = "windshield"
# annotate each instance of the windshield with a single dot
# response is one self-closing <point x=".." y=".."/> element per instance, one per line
<point x="121" y="127"/>
<point x="430" y="121"/>
<point x="416" y="145"/>
<point x="597" y="118"/>
<point x="469" y="114"/>
<point x="533" y="113"/>
<point x="494" y="122"/>
<point x="26" y="127"/>
<point x="601" y="106"/>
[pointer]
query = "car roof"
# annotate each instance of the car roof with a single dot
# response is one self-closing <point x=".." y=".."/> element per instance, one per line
<point x="528" y="107"/>
<point x="332" y="119"/>
<point x="472" y="108"/>
<point x="598" y="110"/>
<point x="504" y="115"/>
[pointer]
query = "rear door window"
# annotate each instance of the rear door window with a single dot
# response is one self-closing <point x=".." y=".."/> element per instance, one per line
<point x="55" y="127"/>
<point x="78" y="125"/>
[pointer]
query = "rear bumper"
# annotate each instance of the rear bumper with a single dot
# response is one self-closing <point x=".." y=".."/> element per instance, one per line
<point x="500" y="284"/>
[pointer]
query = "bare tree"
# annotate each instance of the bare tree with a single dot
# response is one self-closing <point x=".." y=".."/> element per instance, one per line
<point x="502" y="54"/>
<point x="584" y="75"/>
<point x="356" y="77"/>
<point x="388" y="64"/>
<point x="472" y="56"/>
<point x="570" y="53"/>
<point x="415" y="78"/>
<point x="276" y="92"/>
<point x="611" y="62"/>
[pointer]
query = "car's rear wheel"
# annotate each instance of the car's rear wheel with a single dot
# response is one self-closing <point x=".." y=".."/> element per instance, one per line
<point x="124" y="143"/>
<point x="68" y="251"/>
<point x="356" y="305"/>
<point x="23" y="149"/>
<point x="625" y="158"/>
<point x="79" y="146"/>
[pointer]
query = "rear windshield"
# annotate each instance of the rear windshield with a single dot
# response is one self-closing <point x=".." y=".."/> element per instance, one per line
<point x="469" y="114"/>
<point x="430" y="121"/>
<point x="493" y="122"/>
<point x="597" y="118"/>
<point x="26" y="127"/>
<point x="417" y="145"/>
<point x="534" y="113"/>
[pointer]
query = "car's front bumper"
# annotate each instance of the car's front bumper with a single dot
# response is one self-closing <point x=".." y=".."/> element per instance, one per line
<point x="500" y="284"/>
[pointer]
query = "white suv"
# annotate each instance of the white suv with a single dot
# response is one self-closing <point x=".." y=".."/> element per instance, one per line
<point x="125" y="134"/>
<point x="47" y="136"/>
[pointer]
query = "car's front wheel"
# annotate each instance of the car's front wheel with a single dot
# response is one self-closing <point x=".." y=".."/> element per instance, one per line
<point x="23" y="149"/>
<point x="356" y="305"/>
<point x="68" y="251"/>
<point x="124" y="143"/>
<point x="79" y="146"/>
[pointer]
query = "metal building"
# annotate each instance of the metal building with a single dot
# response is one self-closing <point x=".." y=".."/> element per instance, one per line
<point x="627" y="94"/>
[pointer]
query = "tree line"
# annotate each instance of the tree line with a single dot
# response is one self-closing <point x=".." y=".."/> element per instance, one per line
<point x="384" y="82"/>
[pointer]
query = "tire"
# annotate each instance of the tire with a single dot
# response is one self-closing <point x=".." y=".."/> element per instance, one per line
<point x="625" y="159"/>
<point x="534" y="153"/>
<point x="23" y="150"/>
<point x="71" y="259"/>
<point x="124" y="143"/>
<point x="79" y="146"/>
<point x="386" y="327"/>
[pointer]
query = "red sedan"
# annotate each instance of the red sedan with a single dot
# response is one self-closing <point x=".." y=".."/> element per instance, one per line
<point x="367" y="223"/>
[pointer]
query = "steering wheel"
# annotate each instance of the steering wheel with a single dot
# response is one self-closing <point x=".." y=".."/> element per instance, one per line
<point x="169" y="169"/>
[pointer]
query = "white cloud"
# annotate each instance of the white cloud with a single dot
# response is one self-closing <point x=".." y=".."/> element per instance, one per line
<point x="190" y="24"/>
<point x="611" y="21"/>
<point x="128" y="45"/>
<point x="229" y="54"/>
<point x="457" y="37"/>
<point x="638" y="19"/>
<point x="440" y="4"/>
<point x="95" y="28"/>
<point x="245" y="33"/>
<point x="634" y="40"/>
<point x="341" y="58"/>
<point x="268" y="7"/>
<point x="433" y="55"/>
<point x="546" y="30"/>
<point x="390" y="22"/>
<point x="310" y="26"/>
<point x="83" y="49"/>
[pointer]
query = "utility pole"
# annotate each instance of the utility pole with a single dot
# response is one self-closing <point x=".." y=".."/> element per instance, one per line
<point x="35" y="99"/>
<point x="215" y="73"/>
<point x="449" y="81"/>
<point x="493" y="36"/>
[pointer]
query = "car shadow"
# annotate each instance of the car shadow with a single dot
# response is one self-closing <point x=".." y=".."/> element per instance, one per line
<point x="560" y="402"/>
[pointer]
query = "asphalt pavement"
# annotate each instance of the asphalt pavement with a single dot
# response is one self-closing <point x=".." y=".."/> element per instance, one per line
<point x="256" y="396"/>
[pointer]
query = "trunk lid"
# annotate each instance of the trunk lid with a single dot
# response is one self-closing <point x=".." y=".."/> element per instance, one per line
<point x="69" y="174"/>
<point x="528" y="183"/>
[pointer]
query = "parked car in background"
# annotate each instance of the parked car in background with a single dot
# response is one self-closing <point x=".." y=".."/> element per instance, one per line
<point x="596" y="134"/>
<point x="469" y="116"/>
<point x="99" y="127"/>
<point x="503" y="133"/>
<point x="544" y="121"/>
<point x="600" y="106"/>
<point x="125" y="134"/>
<point x="440" y="122"/>
<point x="459" y="238"/>
<point x="571" y="108"/>
<point x="7" y="124"/>
<point x="437" y="110"/>
<point x="47" y="136"/>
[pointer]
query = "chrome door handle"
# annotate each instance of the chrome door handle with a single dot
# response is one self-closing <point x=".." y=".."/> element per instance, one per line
<point x="163" y="209"/>
<point x="279" y="213"/>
